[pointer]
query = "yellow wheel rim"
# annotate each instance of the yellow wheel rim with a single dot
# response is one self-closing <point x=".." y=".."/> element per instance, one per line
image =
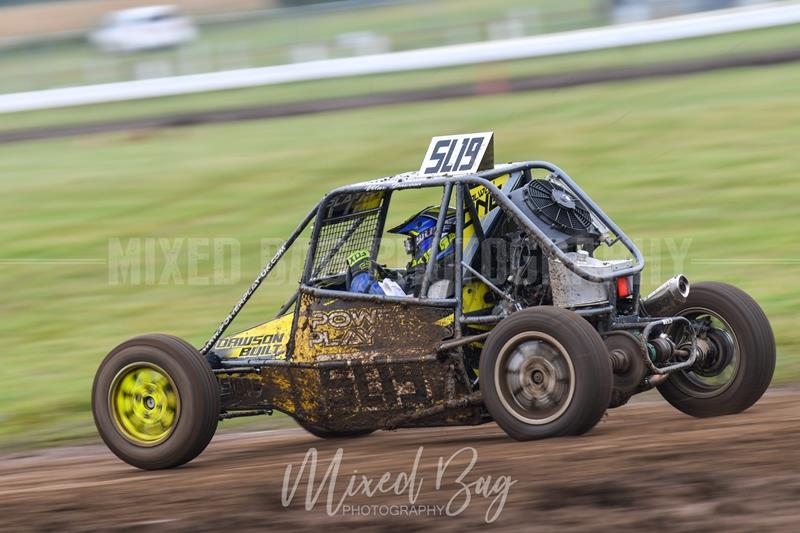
<point x="145" y="403"/>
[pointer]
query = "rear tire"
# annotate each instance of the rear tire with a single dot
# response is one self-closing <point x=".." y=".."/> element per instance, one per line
<point x="751" y="369"/>
<point x="155" y="402"/>
<point x="545" y="372"/>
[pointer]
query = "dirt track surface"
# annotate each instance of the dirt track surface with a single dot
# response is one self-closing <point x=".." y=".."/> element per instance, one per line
<point x="646" y="466"/>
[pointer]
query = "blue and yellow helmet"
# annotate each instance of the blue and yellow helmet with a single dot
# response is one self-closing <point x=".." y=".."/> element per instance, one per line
<point x="420" y="229"/>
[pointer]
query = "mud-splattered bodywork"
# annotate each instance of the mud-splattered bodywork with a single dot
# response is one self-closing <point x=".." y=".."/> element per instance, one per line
<point x="354" y="365"/>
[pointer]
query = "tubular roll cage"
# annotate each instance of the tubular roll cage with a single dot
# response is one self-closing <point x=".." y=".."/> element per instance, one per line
<point x="461" y="184"/>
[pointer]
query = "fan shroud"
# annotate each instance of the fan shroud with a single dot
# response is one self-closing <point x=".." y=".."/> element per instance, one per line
<point x="558" y="207"/>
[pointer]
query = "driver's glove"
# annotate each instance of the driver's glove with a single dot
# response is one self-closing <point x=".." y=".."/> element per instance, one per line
<point x="360" y="270"/>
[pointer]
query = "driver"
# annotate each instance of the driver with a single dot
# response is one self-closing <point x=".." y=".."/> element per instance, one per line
<point x="419" y="230"/>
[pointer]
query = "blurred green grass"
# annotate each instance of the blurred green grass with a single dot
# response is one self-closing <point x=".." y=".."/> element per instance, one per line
<point x="491" y="75"/>
<point x="707" y="159"/>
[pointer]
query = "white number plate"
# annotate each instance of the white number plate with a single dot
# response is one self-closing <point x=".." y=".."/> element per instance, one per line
<point x="459" y="154"/>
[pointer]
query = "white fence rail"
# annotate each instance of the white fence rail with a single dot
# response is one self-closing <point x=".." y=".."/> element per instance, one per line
<point x="669" y="29"/>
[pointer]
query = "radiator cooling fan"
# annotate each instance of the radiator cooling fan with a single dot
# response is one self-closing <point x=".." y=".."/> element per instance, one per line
<point x="558" y="207"/>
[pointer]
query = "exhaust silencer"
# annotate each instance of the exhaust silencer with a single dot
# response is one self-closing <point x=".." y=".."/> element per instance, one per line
<point x="662" y="301"/>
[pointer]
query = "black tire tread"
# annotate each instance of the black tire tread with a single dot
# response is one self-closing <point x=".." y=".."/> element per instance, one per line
<point x="757" y="352"/>
<point x="206" y="404"/>
<point x="594" y="379"/>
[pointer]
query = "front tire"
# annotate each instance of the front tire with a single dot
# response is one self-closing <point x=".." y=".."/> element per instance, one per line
<point x="742" y="362"/>
<point x="545" y="372"/>
<point x="155" y="402"/>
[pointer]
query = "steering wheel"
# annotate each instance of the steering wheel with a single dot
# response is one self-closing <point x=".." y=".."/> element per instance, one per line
<point x="382" y="271"/>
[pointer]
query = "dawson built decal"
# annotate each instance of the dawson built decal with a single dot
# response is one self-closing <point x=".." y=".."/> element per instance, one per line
<point x="265" y="340"/>
<point x="256" y="345"/>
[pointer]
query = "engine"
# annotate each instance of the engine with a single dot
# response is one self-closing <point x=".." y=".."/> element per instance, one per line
<point x="532" y="277"/>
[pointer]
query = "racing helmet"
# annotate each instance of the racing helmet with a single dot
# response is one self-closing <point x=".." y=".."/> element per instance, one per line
<point x="419" y="229"/>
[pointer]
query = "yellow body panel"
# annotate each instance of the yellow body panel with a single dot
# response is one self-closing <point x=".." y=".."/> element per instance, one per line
<point x="483" y="204"/>
<point x="269" y="339"/>
<point x="474" y="292"/>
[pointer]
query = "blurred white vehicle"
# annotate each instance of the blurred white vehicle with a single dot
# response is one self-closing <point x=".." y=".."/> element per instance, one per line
<point x="143" y="28"/>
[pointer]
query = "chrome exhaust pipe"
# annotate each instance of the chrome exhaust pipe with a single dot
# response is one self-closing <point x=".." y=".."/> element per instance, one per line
<point x="662" y="301"/>
<point x="654" y="380"/>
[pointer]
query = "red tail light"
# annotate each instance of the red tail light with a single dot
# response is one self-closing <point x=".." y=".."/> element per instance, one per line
<point x="624" y="287"/>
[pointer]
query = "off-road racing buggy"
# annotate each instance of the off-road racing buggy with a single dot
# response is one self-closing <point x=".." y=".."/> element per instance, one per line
<point x="528" y="327"/>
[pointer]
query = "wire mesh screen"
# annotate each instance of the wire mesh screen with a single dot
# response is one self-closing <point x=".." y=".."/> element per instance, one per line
<point x="350" y="223"/>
